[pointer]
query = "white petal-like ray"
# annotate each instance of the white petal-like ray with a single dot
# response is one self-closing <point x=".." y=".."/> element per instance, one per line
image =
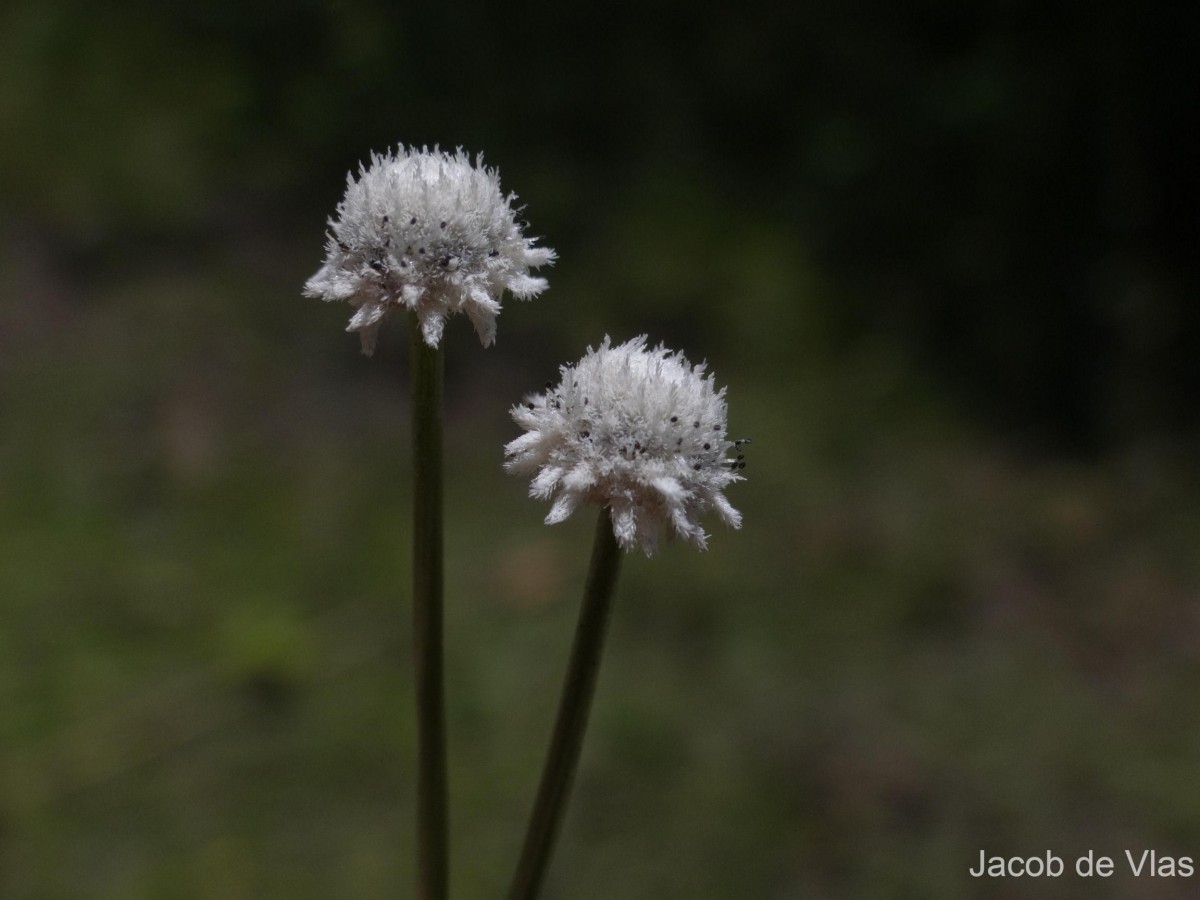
<point x="545" y="482"/>
<point x="366" y="315"/>
<point x="580" y="478"/>
<point x="625" y="527"/>
<point x="562" y="508"/>
<point x="520" y="446"/>
<point x="725" y="510"/>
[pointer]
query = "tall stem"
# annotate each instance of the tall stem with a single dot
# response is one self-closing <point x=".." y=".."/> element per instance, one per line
<point x="573" y="709"/>
<point x="432" y="853"/>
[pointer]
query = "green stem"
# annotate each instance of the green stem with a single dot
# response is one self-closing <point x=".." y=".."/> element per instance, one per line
<point x="572" y="718"/>
<point x="432" y="853"/>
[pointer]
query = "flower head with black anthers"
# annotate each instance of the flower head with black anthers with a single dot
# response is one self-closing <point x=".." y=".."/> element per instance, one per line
<point x="639" y="431"/>
<point x="431" y="233"/>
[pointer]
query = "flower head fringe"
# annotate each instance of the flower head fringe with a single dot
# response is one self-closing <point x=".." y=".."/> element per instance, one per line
<point x="639" y="431"/>
<point x="431" y="233"/>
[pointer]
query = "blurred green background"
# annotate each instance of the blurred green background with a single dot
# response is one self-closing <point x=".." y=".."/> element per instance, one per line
<point x="944" y="257"/>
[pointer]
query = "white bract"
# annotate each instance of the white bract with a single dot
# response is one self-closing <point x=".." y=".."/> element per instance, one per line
<point x="639" y="431"/>
<point x="431" y="233"/>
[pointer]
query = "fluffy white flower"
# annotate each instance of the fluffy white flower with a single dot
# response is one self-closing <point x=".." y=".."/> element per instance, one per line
<point x="428" y="232"/>
<point x="639" y="431"/>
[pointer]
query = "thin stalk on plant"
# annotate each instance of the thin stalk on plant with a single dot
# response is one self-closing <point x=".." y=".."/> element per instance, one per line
<point x="573" y="709"/>
<point x="432" y="843"/>
<point x="432" y="234"/>
<point x="641" y="433"/>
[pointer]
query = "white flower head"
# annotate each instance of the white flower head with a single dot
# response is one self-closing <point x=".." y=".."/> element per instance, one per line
<point x="431" y="233"/>
<point x="639" y="431"/>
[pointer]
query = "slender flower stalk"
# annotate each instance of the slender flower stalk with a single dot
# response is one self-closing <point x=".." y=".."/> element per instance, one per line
<point x="432" y="234"/>
<point x="640" y="433"/>
<point x="573" y="710"/>
<point x="432" y="825"/>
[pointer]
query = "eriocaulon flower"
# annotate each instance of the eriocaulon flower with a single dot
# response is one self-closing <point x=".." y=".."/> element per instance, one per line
<point x="431" y="233"/>
<point x="639" y="431"/>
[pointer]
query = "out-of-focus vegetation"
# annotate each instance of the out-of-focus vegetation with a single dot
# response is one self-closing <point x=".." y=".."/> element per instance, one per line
<point x="944" y="258"/>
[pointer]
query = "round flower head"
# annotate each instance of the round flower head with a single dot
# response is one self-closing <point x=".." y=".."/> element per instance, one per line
<point x="431" y="233"/>
<point x="639" y="431"/>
